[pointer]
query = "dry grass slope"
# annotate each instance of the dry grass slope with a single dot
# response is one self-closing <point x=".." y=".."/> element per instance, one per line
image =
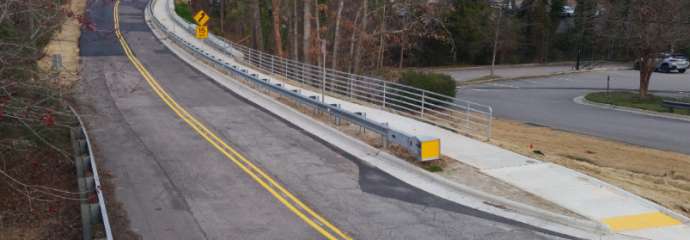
<point x="660" y="176"/>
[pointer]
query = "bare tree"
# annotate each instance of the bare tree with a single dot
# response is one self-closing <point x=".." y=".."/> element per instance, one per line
<point x="257" y="34"/>
<point x="382" y="36"/>
<point x="649" y="28"/>
<point x="358" y="48"/>
<point x="353" y="39"/>
<point x="277" y="38"/>
<point x="336" y="35"/>
<point x="295" y="30"/>
<point x="306" y="37"/>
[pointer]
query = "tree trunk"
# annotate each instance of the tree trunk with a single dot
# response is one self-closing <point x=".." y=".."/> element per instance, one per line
<point x="306" y="43"/>
<point x="318" y="42"/>
<point x="646" y="70"/>
<point x="353" y="39"/>
<point x="222" y="17"/>
<point x="402" y="53"/>
<point x="295" y="31"/>
<point x="278" y="39"/>
<point x="382" y="42"/>
<point x="257" y="35"/>
<point x="336" y="36"/>
<point x="363" y="29"/>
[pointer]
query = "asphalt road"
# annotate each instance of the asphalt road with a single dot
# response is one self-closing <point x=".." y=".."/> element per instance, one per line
<point x="549" y="102"/>
<point x="174" y="185"/>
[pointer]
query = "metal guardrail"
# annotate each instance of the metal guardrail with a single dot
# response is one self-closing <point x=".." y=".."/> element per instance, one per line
<point x="94" y="215"/>
<point x="388" y="135"/>
<point x="449" y="112"/>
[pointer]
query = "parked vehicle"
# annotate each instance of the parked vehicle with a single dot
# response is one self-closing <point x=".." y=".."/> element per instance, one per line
<point x="667" y="63"/>
<point x="568" y="11"/>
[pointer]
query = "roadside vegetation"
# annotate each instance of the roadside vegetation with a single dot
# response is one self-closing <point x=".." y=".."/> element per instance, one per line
<point x="183" y="11"/>
<point x="38" y="186"/>
<point x="365" y="36"/>
<point x="633" y="100"/>
<point x="434" y="82"/>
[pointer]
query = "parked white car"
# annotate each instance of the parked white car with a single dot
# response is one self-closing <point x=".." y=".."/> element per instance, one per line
<point x="673" y="62"/>
<point x="667" y="63"/>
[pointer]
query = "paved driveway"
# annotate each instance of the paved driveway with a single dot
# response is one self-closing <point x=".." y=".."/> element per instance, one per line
<point x="549" y="102"/>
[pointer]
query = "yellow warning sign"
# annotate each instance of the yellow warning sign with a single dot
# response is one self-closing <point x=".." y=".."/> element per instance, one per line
<point x="202" y="32"/>
<point x="201" y="18"/>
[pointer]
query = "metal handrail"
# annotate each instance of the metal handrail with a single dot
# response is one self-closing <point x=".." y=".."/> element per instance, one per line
<point x="390" y="96"/>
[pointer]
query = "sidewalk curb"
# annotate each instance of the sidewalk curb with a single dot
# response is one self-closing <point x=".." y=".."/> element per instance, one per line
<point x="501" y="66"/>
<point x="583" y="101"/>
<point x="390" y="164"/>
<point x="472" y="82"/>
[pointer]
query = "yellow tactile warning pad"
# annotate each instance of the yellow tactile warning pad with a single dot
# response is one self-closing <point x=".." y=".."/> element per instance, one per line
<point x="640" y="221"/>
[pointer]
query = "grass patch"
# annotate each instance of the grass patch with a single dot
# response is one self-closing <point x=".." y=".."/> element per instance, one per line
<point x="435" y="82"/>
<point x="633" y="100"/>
<point x="184" y="11"/>
<point x="433" y="168"/>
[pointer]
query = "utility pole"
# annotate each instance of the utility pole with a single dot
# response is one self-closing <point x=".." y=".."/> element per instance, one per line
<point x="498" y="30"/>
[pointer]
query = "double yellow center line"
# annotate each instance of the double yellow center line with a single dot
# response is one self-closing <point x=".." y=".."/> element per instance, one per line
<point x="300" y="209"/>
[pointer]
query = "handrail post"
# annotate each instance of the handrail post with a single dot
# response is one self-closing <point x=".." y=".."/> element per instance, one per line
<point x="302" y="77"/>
<point x="423" y="103"/>
<point x="273" y="58"/>
<point x="349" y="83"/>
<point x="384" y="95"/>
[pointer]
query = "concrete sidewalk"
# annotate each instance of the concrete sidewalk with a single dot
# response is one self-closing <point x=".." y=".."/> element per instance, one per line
<point x="618" y="210"/>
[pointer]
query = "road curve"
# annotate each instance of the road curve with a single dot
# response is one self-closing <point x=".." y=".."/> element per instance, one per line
<point x="173" y="184"/>
<point x="549" y="102"/>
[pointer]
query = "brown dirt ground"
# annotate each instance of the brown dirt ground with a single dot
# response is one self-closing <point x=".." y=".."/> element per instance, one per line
<point x="66" y="43"/>
<point x="32" y="215"/>
<point x="660" y="176"/>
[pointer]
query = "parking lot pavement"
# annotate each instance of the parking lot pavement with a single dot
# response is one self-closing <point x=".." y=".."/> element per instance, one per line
<point x="516" y="71"/>
<point x="549" y="102"/>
